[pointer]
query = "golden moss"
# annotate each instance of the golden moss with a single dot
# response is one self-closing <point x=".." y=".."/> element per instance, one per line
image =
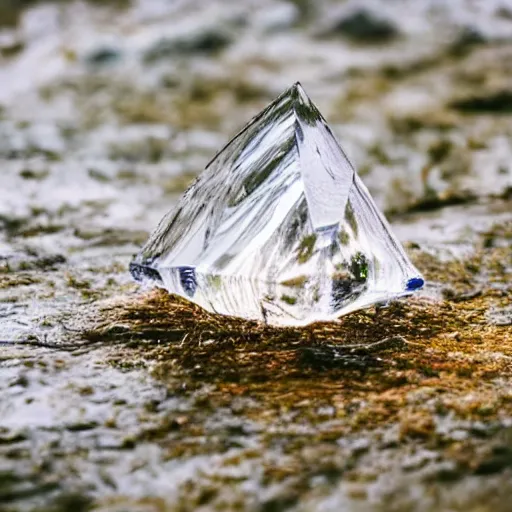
<point x="445" y="348"/>
<point x="19" y="279"/>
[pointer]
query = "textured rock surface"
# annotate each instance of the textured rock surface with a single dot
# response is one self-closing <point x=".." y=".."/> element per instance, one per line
<point x="149" y="404"/>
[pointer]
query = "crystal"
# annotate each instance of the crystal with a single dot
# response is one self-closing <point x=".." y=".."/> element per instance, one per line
<point x="279" y="228"/>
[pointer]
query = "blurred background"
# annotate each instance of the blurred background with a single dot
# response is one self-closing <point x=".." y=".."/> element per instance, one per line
<point x="122" y="102"/>
<point x="108" y="110"/>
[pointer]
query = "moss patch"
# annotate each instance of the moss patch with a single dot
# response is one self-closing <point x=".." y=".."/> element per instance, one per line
<point x="446" y="348"/>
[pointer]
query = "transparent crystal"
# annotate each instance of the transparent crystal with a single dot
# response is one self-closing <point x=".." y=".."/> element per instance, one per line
<point x="279" y="228"/>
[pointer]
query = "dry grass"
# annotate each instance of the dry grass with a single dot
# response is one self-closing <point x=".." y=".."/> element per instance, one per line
<point x="448" y="348"/>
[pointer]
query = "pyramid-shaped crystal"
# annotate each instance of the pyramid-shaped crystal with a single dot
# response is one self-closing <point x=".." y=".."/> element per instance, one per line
<point x="279" y="228"/>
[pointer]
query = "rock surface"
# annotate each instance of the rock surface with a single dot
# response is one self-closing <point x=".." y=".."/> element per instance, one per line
<point x="120" y="399"/>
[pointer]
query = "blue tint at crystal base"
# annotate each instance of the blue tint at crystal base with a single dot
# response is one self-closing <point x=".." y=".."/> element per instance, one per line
<point x="414" y="284"/>
<point x="188" y="280"/>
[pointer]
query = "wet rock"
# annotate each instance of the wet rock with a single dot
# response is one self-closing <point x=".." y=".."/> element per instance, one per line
<point x="110" y="237"/>
<point x="498" y="102"/>
<point x="12" y="224"/>
<point x="500" y="316"/>
<point x="75" y="501"/>
<point x="419" y="459"/>
<point x="10" y="11"/>
<point x="29" y="262"/>
<point x="206" y="42"/>
<point x="504" y="12"/>
<point x="433" y="200"/>
<point x="31" y="140"/>
<point x="104" y="56"/>
<point x="16" y="487"/>
<point x="11" y="49"/>
<point x="467" y="39"/>
<point x="10" y="437"/>
<point x="283" y="16"/>
<point x="499" y="458"/>
<point x="31" y="174"/>
<point x="150" y="149"/>
<point x="439" y="150"/>
<point x="364" y="26"/>
<point x="444" y="471"/>
<point x="81" y="426"/>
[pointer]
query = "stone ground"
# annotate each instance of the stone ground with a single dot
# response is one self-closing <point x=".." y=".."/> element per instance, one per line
<point x="118" y="399"/>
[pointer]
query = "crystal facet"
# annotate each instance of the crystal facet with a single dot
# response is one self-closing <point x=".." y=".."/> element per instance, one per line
<point x="279" y="228"/>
